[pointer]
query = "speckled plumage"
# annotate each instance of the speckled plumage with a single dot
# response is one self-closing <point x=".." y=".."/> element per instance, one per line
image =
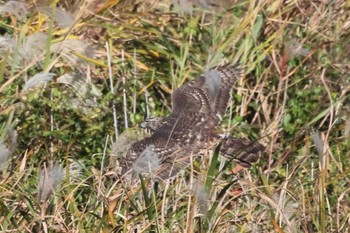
<point x="197" y="108"/>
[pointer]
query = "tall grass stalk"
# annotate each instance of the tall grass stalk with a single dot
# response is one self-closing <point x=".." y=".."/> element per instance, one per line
<point x="125" y="108"/>
<point x="111" y="85"/>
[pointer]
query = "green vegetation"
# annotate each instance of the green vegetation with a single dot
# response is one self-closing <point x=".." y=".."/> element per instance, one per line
<point x="75" y="74"/>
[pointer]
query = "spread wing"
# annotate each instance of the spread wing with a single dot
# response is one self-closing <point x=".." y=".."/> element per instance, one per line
<point x="221" y="96"/>
<point x="191" y="114"/>
<point x="200" y="104"/>
<point x="205" y="98"/>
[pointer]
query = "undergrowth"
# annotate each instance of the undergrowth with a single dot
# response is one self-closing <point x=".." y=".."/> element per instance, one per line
<point x="77" y="77"/>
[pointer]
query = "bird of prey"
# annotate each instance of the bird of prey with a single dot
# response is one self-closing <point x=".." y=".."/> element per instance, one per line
<point x="197" y="109"/>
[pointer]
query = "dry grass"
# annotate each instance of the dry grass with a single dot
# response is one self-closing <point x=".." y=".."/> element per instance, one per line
<point x="75" y="75"/>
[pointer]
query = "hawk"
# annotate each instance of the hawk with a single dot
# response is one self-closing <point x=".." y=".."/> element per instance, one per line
<point x="197" y="109"/>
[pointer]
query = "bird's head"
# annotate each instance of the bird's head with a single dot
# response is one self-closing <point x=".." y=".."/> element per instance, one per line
<point x="152" y="124"/>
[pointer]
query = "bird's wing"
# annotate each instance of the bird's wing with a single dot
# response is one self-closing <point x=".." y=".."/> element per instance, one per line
<point x="190" y="105"/>
<point x="220" y="82"/>
<point x="197" y="107"/>
<point x="156" y="155"/>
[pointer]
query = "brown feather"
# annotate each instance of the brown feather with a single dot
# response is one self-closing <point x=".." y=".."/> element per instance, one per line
<point x="197" y="108"/>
